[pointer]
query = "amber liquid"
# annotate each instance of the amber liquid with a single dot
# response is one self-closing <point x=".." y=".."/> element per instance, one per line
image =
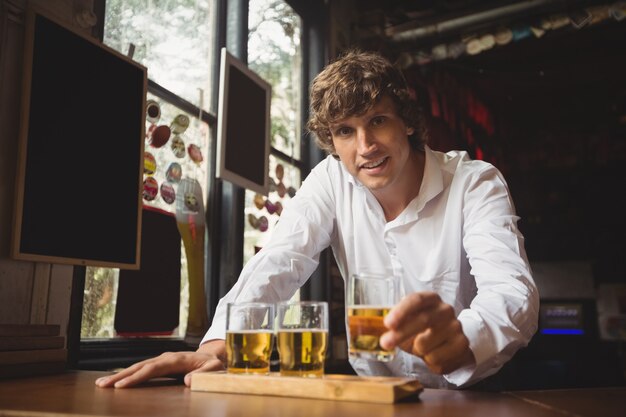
<point x="248" y="352"/>
<point x="365" y="325"/>
<point x="302" y="352"/>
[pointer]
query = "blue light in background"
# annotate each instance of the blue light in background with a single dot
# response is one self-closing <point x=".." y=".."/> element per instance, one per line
<point x="562" y="331"/>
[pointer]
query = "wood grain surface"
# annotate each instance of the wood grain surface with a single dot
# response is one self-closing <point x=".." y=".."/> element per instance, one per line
<point x="386" y="390"/>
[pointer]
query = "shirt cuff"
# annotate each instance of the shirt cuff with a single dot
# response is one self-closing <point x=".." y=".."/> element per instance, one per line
<point x="480" y="343"/>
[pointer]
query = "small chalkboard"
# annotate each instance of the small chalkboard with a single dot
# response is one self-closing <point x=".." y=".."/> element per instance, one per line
<point x="80" y="162"/>
<point x="243" y="126"/>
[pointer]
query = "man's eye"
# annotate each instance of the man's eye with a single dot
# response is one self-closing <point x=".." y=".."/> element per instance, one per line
<point x="378" y="120"/>
<point x="343" y="131"/>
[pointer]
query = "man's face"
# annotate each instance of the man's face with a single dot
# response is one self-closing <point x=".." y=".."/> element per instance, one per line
<point x="375" y="149"/>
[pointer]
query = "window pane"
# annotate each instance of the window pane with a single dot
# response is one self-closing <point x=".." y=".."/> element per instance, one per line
<point x="173" y="39"/>
<point x="274" y="54"/>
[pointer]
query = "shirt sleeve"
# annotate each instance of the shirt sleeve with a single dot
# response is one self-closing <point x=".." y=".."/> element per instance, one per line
<point x="503" y="316"/>
<point x="283" y="265"/>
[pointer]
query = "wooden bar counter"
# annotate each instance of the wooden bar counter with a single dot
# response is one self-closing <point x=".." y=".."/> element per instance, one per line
<point x="75" y="394"/>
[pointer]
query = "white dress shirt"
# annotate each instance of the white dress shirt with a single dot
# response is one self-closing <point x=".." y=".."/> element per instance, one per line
<point x="458" y="238"/>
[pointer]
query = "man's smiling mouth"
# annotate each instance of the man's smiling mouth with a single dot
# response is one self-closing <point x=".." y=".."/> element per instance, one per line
<point x="374" y="164"/>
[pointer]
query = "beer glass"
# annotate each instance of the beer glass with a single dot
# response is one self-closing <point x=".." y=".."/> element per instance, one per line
<point x="302" y="332"/>
<point x="370" y="297"/>
<point x="249" y="329"/>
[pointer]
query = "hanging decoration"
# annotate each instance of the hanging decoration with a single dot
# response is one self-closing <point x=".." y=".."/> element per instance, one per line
<point x="174" y="172"/>
<point x="195" y="153"/>
<point x="277" y="185"/>
<point x="158" y="134"/>
<point x="150" y="188"/>
<point x="180" y="124"/>
<point x="153" y="111"/>
<point x="149" y="164"/>
<point x="178" y="146"/>
<point x="168" y="194"/>
<point x="261" y="223"/>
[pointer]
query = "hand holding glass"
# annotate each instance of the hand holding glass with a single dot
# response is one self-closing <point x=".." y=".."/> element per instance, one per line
<point x="302" y="338"/>
<point x="249" y="328"/>
<point x="370" y="297"/>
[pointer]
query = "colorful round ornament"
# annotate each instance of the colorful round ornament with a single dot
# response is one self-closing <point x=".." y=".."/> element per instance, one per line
<point x="168" y="194"/>
<point x="150" y="188"/>
<point x="281" y="189"/>
<point x="253" y="221"/>
<point x="271" y="207"/>
<point x="259" y="201"/>
<point x="280" y="172"/>
<point x="174" y="172"/>
<point x="195" y="153"/>
<point x="178" y="146"/>
<point x="160" y="136"/>
<point x="153" y="111"/>
<point x="149" y="163"/>
<point x="180" y="124"/>
<point x="263" y="223"/>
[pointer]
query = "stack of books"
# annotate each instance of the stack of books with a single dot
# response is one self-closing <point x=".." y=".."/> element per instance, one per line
<point x="31" y="349"/>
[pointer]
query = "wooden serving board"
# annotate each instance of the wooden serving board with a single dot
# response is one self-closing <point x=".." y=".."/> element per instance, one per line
<point x="386" y="390"/>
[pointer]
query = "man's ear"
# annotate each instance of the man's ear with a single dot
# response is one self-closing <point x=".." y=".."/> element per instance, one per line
<point x="410" y="131"/>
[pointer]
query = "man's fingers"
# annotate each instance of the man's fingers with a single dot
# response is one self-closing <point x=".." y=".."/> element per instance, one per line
<point x="409" y="306"/>
<point x="143" y="374"/>
<point x="413" y="324"/>
<point x="163" y="365"/>
<point x="109" y="381"/>
<point x="209" y="366"/>
<point x="423" y="325"/>
<point x="449" y="356"/>
<point x="431" y="338"/>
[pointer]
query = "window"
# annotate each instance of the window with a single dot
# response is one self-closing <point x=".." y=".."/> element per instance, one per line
<point x="174" y="40"/>
<point x="274" y="53"/>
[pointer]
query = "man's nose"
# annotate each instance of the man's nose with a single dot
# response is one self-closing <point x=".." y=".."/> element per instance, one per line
<point x="366" y="142"/>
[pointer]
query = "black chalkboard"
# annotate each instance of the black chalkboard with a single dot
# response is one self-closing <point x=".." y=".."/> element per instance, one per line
<point x="243" y="126"/>
<point x="81" y="150"/>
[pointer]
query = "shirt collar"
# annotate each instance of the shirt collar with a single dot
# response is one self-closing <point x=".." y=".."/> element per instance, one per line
<point x="432" y="180"/>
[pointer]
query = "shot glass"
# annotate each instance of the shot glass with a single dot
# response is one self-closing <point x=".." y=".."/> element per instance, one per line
<point x="370" y="297"/>
<point x="302" y="333"/>
<point x="249" y="330"/>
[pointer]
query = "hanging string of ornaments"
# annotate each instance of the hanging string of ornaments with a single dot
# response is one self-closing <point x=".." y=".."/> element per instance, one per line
<point x="261" y="223"/>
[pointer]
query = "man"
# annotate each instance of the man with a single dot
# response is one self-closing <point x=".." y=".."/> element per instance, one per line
<point x="444" y="224"/>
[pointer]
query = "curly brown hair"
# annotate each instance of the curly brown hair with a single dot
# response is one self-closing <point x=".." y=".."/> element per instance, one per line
<point x="351" y="86"/>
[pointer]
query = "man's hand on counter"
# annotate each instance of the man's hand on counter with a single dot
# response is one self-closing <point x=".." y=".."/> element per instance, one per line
<point x="210" y="356"/>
